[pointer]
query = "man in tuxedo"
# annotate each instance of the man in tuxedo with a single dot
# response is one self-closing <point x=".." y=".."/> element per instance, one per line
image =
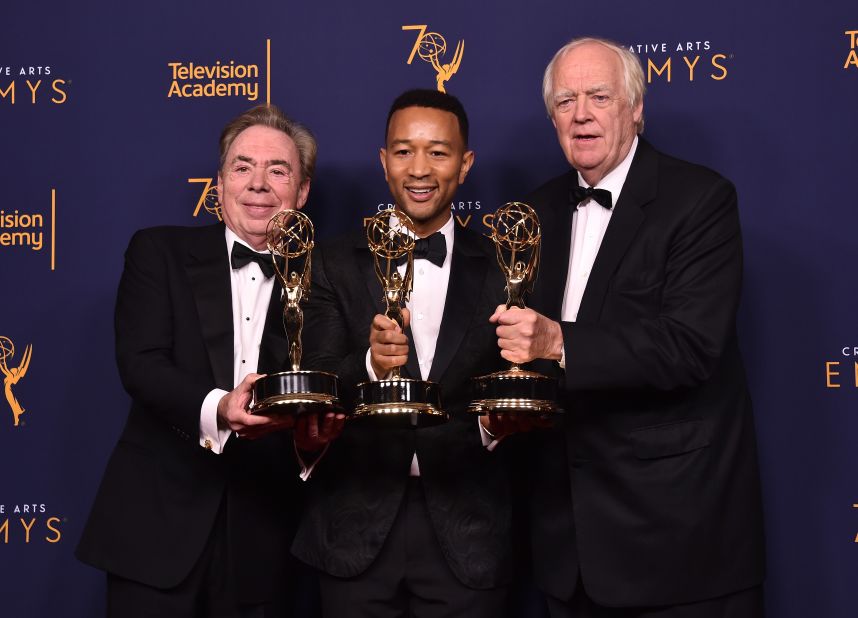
<point x="199" y="502"/>
<point x="646" y="499"/>
<point x="411" y="521"/>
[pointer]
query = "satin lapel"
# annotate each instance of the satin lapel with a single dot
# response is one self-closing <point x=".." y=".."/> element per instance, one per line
<point x="467" y="279"/>
<point x="639" y="189"/>
<point x="274" y="352"/>
<point x="207" y="266"/>
<point x="556" y="228"/>
<point x="367" y="268"/>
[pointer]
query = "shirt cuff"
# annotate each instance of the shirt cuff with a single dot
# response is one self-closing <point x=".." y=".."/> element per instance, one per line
<point x="212" y="438"/>
<point x="489" y="441"/>
<point x="307" y="471"/>
<point x="369" y="370"/>
<point x="562" y="361"/>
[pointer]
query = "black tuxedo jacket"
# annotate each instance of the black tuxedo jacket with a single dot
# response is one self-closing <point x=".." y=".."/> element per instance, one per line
<point x="357" y="488"/>
<point x="161" y="491"/>
<point x="650" y="490"/>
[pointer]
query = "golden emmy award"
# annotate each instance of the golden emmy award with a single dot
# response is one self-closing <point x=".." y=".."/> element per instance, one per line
<point x="390" y="235"/>
<point x="290" y="236"/>
<point x="516" y="234"/>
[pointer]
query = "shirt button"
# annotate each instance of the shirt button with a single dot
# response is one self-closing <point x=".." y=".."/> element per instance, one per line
<point x="248" y="319"/>
<point x="207" y="444"/>
<point x="419" y="316"/>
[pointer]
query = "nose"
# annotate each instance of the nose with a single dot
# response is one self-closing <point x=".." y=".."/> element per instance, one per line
<point x="582" y="109"/>
<point x="258" y="179"/>
<point x="419" y="165"/>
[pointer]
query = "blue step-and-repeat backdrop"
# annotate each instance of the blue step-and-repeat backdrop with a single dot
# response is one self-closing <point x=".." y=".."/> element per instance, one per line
<point x="109" y="119"/>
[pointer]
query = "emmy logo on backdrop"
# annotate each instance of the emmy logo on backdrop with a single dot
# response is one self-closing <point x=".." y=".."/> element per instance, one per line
<point x="517" y="235"/>
<point x="12" y="375"/>
<point x="208" y="199"/>
<point x="390" y="235"/>
<point x="290" y="236"/>
<point x="211" y="203"/>
<point x="432" y="47"/>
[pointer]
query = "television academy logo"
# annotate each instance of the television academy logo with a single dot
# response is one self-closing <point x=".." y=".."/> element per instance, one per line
<point x="852" y="58"/>
<point x="13" y="372"/>
<point x="219" y="79"/>
<point x="27" y="229"/>
<point x="431" y="47"/>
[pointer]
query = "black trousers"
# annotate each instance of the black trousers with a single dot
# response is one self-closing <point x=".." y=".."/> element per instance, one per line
<point x="207" y="592"/>
<point x="742" y="604"/>
<point x="410" y="577"/>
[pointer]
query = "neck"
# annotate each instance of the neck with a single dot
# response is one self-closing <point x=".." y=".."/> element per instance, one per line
<point x="427" y="228"/>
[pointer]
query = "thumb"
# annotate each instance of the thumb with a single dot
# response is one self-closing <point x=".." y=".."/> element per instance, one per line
<point x="496" y="315"/>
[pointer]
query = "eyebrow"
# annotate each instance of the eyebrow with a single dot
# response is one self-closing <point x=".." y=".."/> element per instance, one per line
<point x="567" y="92"/>
<point x="434" y="142"/>
<point x="252" y="161"/>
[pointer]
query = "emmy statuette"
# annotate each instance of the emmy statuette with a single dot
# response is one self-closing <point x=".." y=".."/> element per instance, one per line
<point x="516" y="234"/>
<point x="390" y="235"/>
<point x="290" y="235"/>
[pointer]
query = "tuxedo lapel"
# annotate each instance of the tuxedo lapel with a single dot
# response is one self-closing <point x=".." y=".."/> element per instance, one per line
<point x="207" y="266"/>
<point x="639" y="188"/>
<point x="556" y="228"/>
<point x="367" y="268"/>
<point x="467" y="278"/>
<point x="274" y="351"/>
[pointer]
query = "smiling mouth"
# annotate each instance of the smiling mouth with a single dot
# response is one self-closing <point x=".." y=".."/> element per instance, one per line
<point x="420" y="193"/>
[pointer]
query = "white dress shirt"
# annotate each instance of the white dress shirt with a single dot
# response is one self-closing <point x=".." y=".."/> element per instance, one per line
<point x="426" y="305"/>
<point x="589" y="223"/>
<point x="251" y="294"/>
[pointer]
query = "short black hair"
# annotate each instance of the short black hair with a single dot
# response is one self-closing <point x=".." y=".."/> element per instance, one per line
<point x="423" y="97"/>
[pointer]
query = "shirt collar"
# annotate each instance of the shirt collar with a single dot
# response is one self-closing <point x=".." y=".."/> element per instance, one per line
<point x="616" y="178"/>
<point x="232" y="237"/>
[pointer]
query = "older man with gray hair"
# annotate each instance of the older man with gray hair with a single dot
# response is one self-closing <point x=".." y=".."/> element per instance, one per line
<point x="646" y="498"/>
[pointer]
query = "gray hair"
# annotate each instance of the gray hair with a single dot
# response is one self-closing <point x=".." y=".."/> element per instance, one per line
<point x="633" y="77"/>
<point x="271" y="116"/>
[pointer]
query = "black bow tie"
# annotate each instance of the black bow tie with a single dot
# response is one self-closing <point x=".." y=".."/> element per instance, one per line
<point x="579" y="194"/>
<point x="432" y="248"/>
<point x="243" y="255"/>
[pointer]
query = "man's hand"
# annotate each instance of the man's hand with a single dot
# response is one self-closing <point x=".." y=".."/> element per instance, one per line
<point x="232" y="412"/>
<point x="524" y="334"/>
<point x="388" y="345"/>
<point x="505" y="423"/>
<point x="311" y="435"/>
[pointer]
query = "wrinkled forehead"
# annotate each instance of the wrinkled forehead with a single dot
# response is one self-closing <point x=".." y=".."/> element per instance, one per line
<point x="589" y="66"/>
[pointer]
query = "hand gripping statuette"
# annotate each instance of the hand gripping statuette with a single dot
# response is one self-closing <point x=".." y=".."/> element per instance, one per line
<point x="290" y="236"/>
<point x="390" y="235"/>
<point x="517" y="236"/>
